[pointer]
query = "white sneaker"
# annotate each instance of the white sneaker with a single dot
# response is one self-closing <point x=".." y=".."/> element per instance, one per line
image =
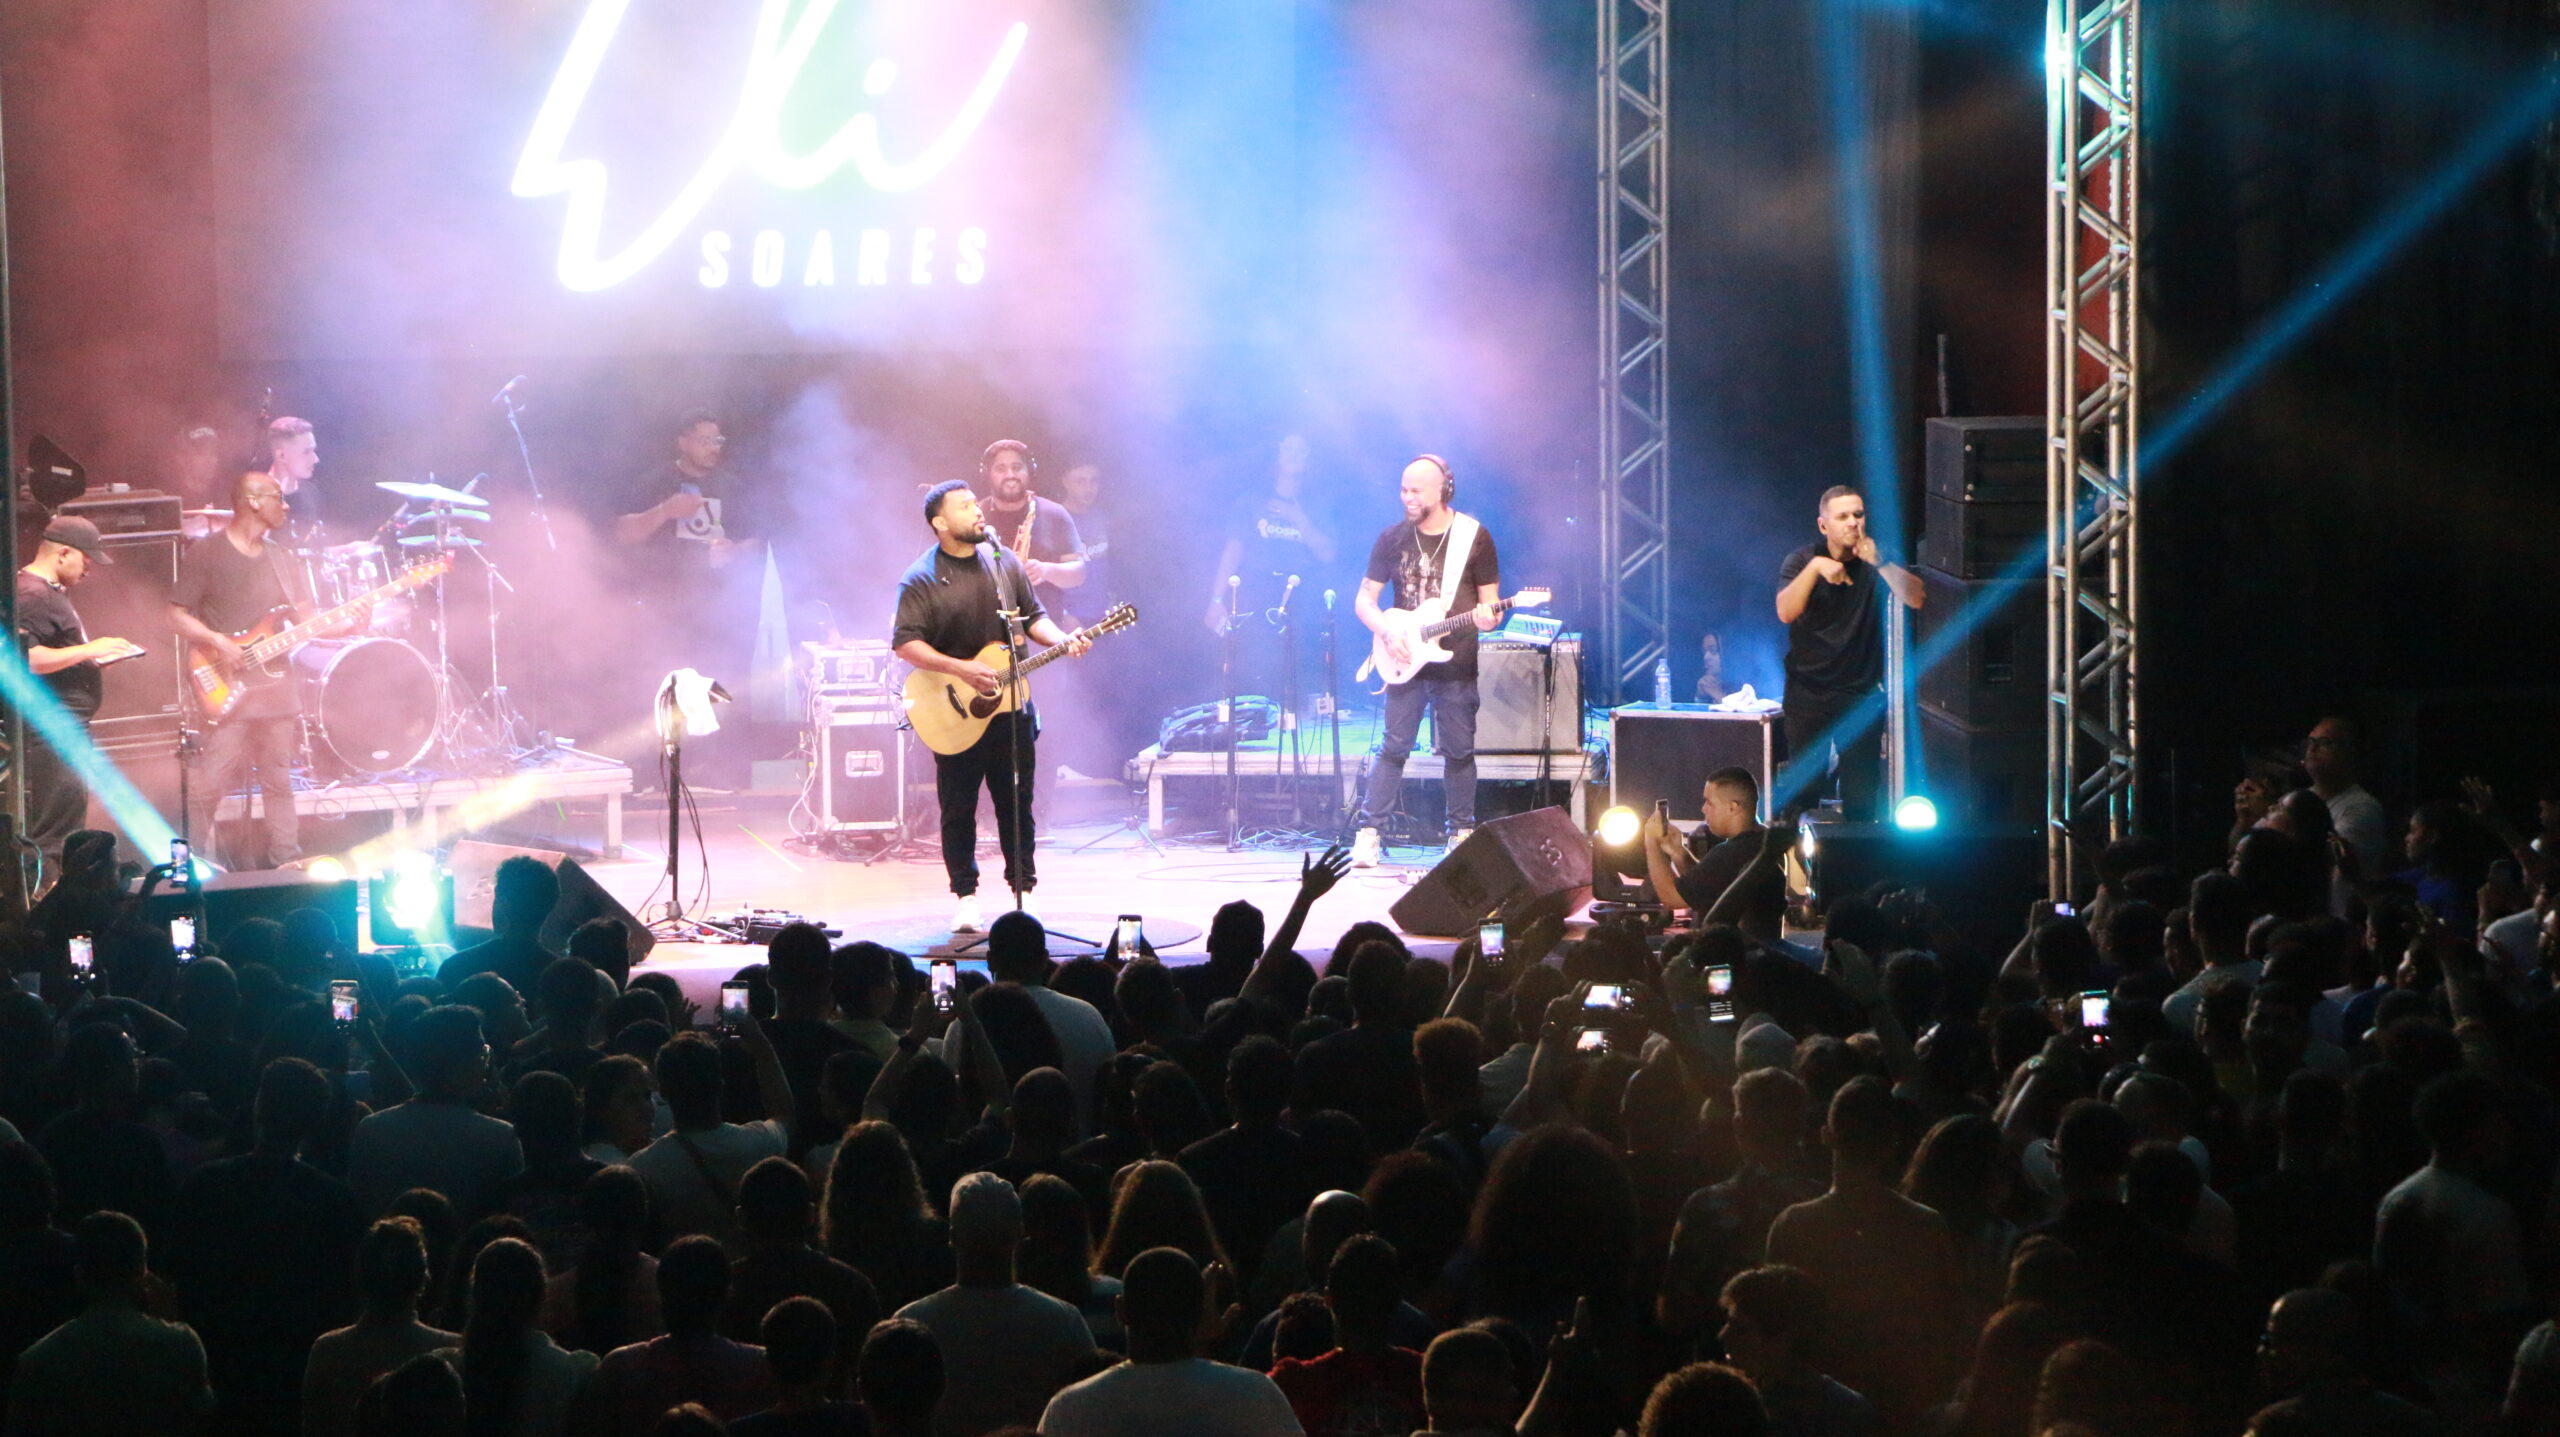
<point x="1458" y="836"/>
<point x="1364" y="849"/>
<point x="964" y="919"/>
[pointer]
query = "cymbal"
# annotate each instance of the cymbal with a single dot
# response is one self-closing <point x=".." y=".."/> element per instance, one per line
<point x="431" y="493"/>
<point x="476" y="516"/>
<point x="438" y="541"/>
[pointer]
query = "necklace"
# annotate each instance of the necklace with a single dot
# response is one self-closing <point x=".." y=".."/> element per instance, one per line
<point x="1429" y="558"/>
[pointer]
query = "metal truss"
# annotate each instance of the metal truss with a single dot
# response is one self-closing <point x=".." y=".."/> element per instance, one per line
<point x="1635" y="290"/>
<point x="2093" y="261"/>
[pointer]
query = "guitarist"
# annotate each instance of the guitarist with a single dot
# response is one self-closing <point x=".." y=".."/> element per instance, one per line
<point x="947" y="613"/>
<point x="1436" y="552"/>
<point x="228" y="581"/>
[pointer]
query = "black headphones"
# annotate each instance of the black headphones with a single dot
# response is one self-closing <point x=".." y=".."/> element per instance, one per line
<point x="1448" y="476"/>
<point x="987" y="460"/>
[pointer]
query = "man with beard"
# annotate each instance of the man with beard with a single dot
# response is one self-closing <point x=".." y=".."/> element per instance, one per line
<point x="948" y="611"/>
<point x="61" y="653"/>
<point x="1042" y="534"/>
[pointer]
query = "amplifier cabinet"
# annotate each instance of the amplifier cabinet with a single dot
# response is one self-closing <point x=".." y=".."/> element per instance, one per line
<point x="1512" y="696"/>
<point x="1666" y="751"/>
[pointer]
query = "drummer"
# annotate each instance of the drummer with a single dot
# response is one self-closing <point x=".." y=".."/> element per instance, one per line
<point x="292" y="456"/>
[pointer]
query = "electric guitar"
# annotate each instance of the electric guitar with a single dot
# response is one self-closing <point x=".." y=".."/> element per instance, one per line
<point x="1422" y="626"/>
<point x="949" y="715"/>
<point x="219" y="676"/>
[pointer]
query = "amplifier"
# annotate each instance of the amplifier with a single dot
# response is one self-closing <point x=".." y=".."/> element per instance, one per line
<point x="862" y="770"/>
<point x="1666" y="751"/>
<point x="861" y="666"/>
<point x="1512" y="695"/>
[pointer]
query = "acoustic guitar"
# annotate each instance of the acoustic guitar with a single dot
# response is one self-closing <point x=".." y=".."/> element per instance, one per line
<point x="949" y="715"/>
<point x="219" y="676"/>
<point x="1423" y="625"/>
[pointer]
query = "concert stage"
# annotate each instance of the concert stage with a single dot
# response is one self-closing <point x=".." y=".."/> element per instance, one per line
<point x="1260" y="763"/>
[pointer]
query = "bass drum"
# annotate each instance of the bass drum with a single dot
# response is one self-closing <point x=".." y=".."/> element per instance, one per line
<point x="369" y="705"/>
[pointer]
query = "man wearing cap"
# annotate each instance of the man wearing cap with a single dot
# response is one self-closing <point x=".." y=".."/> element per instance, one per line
<point x="60" y="652"/>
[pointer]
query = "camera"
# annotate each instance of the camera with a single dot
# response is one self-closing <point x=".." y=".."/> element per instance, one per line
<point x="946" y="984"/>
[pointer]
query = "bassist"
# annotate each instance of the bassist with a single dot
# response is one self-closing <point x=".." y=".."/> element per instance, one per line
<point x="228" y="581"/>
<point x="948" y="605"/>
<point x="1435" y="552"/>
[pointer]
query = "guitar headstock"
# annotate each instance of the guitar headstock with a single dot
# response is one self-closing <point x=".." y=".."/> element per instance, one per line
<point x="426" y="569"/>
<point x="1532" y="598"/>
<point x="1119" y="616"/>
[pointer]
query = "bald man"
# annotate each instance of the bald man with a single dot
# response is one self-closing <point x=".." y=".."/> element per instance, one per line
<point x="1435" y="552"/>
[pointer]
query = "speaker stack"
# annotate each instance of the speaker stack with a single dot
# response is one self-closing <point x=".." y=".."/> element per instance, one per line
<point x="1982" y="705"/>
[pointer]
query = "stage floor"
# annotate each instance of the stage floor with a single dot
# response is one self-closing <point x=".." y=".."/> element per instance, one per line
<point x="904" y="900"/>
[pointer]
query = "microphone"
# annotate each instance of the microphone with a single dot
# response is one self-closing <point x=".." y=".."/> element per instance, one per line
<point x="1290" y="588"/>
<point x="1232" y="582"/>
<point x="510" y="387"/>
<point x="1328" y="601"/>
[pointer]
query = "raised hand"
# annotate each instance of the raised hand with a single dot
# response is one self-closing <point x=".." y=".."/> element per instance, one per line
<point x="1319" y="872"/>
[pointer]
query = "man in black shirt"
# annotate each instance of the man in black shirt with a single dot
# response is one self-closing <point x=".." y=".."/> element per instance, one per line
<point x="292" y="458"/>
<point x="228" y="581"/>
<point x="683" y="518"/>
<point x="1415" y="556"/>
<point x="60" y="652"/>
<point x="947" y="613"/>
<point x="1042" y="534"/>
<point x="1832" y="605"/>
<point x="1695" y="873"/>
<point x="1268" y="540"/>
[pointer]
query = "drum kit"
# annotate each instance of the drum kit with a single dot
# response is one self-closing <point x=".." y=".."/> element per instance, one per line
<point x="384" y="700"/>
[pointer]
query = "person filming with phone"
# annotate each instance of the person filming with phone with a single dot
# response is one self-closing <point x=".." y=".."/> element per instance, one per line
<point x="1695" y="872"/>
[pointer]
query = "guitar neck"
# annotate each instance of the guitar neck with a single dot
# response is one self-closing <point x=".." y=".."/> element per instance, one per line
<point x="1054" y="651"/>
<point x="285" y="640"/>
<point x="1455" y="622"/>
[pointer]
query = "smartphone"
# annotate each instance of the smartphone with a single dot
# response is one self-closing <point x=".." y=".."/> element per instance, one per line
<point x="1591" y="1040"/>
<point x="1489" y="939"/>
<point x="2065" y="910"/>
<point x="2097" y="1010"/>
<point x="181" y="858"/>
<point x="733" y="1007"/>
<point x="1606" y="995"/>
<point x="946" y="984"/>
<point x="182" y="936"/>
<point x="343" y="1003"/>
<point x="1720" y="993"/>
<point x="84" y="955"/>
<point x="1128" y="935"/>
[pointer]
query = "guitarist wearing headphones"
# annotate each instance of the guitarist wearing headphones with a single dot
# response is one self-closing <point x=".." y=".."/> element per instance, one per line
<point x="1437" y="553"/>
<point x="947" y="614"/>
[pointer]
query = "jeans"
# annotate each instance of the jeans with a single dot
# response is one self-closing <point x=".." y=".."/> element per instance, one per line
<point x="234" y="750"/>
<point x="956" y="776"/>
<point x="57" y="802"/>
<point x="1453" y="713"/>
<point x="1811" y="743"/>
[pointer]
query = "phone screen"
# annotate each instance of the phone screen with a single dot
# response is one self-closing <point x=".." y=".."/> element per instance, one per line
<point x="2096" y="1010"/>
<point x="1606" y="995"/>
<point x="1720" y="993"/>
<point x="733" y="1005"/>
<point x="1591" y="1040"/>
<point x="182" y="934"/>
<point x="342" y="1002"/>
<point x="1127" y="935"/>
<point x="2065" y="910"/>
<point x="179" y="853"/>
<point x="1489" y="939"/>
<point x="84" y="954"/>
<point x="946" y="984"/>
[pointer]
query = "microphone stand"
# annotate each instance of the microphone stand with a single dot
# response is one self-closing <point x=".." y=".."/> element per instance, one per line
<point x="1289" y="705"/>
<point x="1016" y="692"/>
<point x="524" y="451"/>
<point x="1229" y="720"/>
<point x="1333" y="715"/>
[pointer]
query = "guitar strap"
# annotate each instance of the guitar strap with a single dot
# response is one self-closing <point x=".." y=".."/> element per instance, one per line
<point x="1453" y="560"/>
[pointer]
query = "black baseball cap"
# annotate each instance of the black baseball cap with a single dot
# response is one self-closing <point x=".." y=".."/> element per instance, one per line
<point x="80" y="534"/>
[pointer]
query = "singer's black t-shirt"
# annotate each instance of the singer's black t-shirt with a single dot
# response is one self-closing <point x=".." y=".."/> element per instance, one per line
<point x="951" y="603"/>
<point x="1757" y="909"/>
<point x="1268" y="550"/>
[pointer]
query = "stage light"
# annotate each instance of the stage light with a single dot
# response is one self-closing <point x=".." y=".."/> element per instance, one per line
<point x="1915" y="813"/>
<point x="1620" y="827"/>
<point x="326" y="870"/>
<point x="1806" y="843"/>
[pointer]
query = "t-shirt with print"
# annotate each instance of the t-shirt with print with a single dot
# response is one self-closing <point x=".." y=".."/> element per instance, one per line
<point x="677" y="554"/>
<point x="1410" y="563"/>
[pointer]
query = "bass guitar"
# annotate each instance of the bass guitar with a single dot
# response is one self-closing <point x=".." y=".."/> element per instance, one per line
<point x="949" y="715"/>
<point x="219" y="676"/>
<point x="1422" y="627"/>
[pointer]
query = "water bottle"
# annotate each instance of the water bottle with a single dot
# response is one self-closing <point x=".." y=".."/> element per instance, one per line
<point x="1662" y="680"/>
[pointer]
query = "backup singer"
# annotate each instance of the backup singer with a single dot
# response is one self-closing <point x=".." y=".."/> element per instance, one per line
<point x="1435" y="551"/>
<point x="1831" y="601"/>
<point x="948" y="605"/>
<point x="60" y="652"/>
<point x="1051" y="551"/>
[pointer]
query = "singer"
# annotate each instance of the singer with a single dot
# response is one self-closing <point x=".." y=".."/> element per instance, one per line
<point x="1694" y="872"/>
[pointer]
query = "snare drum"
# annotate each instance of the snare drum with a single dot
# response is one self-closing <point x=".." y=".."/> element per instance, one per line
<point x="368" y="704"/>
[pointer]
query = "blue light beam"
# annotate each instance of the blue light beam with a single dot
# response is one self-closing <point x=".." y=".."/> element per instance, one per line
<point x="44" y="714"/>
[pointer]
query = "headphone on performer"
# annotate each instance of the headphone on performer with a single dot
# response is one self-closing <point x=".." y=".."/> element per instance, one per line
<point x="988" y="459"/>
<point x="1448" y="477"/>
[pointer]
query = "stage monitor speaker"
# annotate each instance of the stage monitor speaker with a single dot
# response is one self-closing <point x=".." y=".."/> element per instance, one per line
<point x="474" y="866"/>
<point x="1666" y="751"/>
<point x="1981" y="876"/>
<point x="130" y="600"/>
<point x="1526" y="866"/>
<point x="231" y="899"/>
<point x="1987" y="460"/>
<point x="1512" y="695"/>
<point x="1993" y="676"/>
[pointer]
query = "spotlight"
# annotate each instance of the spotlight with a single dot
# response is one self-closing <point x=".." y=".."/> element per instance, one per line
<point x="411" y="903"/>
<point x="326" y="870"/>
<point x="1806" y="843"/>
<point x="1620" y="826"/>
<point x="1915" y="814"/>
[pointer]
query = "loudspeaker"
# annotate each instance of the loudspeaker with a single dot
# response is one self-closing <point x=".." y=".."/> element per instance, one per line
<point x="1981" y="876"/>
<point x="1527" y="866"/>
<point x="130" y="599"/>
<point x="474" y="866"/>
<point x="1979" y="541"/>
<point x="1996" y="461"/>
<point x="1993" y="677"/>
<point x="1980" y="775"/>
<point x="231" y="899"/>
<point x="1666" y="751"/>
<point x="1512" y="696"/>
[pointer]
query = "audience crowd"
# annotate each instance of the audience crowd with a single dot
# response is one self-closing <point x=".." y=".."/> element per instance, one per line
<point x="2268" y="1148"/>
